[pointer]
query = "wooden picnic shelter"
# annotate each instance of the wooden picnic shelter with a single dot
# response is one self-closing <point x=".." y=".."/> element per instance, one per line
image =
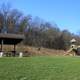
<point x="10" y="39"/>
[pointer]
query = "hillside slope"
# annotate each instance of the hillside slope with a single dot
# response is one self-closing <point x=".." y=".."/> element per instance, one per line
<point x="27" y="50"/>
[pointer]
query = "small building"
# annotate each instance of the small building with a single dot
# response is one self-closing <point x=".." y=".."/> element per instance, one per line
<point x="10" y="39"/>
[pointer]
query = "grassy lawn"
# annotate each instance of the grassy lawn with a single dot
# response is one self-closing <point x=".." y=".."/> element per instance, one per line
<point x="40" y="68"/>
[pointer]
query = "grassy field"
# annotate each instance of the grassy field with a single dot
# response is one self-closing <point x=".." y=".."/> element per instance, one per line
<point x="40" y="68"/>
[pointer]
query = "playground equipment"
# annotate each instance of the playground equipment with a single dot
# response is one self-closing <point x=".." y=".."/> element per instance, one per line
<point x="74" y="49"/>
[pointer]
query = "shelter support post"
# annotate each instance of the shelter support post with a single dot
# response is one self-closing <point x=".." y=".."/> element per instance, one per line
<point x="1" y="52"/>
<point x="14" y="51"/>
<point x="1" y="45"/>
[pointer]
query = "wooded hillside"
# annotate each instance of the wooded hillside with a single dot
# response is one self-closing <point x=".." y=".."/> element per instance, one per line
<point x="38" y="33"/>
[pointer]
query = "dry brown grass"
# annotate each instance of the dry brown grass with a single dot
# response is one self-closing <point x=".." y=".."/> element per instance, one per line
<point x="33" y="50"/>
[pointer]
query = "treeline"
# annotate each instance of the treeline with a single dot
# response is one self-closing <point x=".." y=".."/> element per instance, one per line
<point x="38" y="32"/>
<point x="49" y="37"/>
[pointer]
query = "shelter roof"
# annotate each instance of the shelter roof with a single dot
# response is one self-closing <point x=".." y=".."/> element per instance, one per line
<point x="11" y="38"/>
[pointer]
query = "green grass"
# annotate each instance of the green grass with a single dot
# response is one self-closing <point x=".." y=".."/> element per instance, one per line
<point x="40" y="68"/>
